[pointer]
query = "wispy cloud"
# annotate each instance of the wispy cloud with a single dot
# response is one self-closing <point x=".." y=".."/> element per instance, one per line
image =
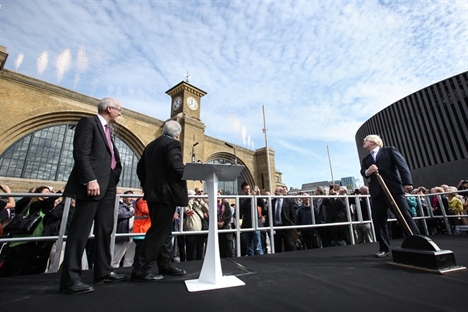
<point x="320" y="68"/>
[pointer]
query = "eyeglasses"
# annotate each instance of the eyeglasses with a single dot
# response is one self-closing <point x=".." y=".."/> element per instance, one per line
<point x="118" y="109"/>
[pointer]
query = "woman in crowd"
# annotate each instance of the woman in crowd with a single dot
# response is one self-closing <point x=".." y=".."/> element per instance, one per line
<point x="24" y="257"/>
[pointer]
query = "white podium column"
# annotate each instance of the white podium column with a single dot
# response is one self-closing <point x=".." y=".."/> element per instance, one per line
<point x="211" y="275"/>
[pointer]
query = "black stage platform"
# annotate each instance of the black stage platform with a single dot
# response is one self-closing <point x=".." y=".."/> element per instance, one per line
<point x="346" y="278"/>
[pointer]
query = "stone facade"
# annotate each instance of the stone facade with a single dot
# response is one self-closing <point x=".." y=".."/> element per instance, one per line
<point x="29" y="104"/>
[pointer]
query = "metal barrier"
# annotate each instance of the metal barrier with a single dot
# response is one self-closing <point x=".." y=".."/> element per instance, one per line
<point x="423" y="216"/>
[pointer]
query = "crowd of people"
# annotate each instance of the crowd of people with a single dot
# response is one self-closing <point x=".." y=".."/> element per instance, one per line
<point x="301" y="209"/>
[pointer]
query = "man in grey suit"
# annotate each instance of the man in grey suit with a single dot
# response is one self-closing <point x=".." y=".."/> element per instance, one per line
<point x="93" y="183"/>
<point x="391" y="165"/>
<point x="160" y="171"/>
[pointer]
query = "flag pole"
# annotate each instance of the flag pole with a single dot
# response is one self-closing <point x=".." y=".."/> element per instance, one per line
<point x="329" y="161"/>
<point x="265" y="131"/>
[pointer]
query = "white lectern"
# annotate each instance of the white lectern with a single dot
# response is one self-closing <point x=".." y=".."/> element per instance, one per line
<point x="211" y="275"/>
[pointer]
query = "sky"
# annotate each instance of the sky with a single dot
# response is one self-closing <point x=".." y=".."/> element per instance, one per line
<point x="319" y="69"/>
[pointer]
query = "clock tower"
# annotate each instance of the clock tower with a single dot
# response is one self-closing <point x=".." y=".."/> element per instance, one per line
<point x="185" y="99"/>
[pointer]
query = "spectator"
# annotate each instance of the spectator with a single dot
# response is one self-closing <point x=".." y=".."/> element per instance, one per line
<point x="6" y="206"/>
<point x="363" y="230"/>
<point x="23" y="258"/>
<point x="252" y="239"/>
<point x="224" y="223"/>
<point x="194" y="213"/>
<point x="52" y="228"/>
<point x="141" y="224"/>
<point x="124" y="245"/>
<point x="455" y="206"/>
<point x="309" y="236"/>
<point x="412" y="203"/>
<point x="284" y="214"/>
<point x="337" y="213"/>
<point x="321" y="206"/>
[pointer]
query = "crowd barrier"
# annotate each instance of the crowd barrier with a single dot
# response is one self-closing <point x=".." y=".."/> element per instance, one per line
<point x="424" y="215"/>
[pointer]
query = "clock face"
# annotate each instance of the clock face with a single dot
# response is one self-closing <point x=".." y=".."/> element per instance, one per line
<point x="192" y="103"/>
<point x="176" y="103"/>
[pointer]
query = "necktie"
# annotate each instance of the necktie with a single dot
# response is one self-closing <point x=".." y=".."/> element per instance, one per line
<point x="373" y="154"/>
<point x="109" y="142"/>
<point x="279" y="203"/>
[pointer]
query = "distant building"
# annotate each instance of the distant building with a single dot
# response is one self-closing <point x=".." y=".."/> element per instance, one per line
<point x="349" y="182"/>
<point x="309" y="188"/>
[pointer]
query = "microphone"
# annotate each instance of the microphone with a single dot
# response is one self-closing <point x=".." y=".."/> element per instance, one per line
<point x="235" y="157"/>
<point x="193" y="154"/>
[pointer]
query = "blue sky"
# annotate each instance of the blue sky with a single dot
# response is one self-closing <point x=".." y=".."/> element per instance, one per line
<point x="320" y="68"/>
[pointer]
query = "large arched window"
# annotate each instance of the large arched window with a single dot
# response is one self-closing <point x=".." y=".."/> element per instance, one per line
<point x="47" y="154"/>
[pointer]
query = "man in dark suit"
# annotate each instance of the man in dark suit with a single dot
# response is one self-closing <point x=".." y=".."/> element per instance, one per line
<point x="160" y="171"/>
<point x="252" y="239"/>
<point x="391" y="165"/>
<point x="284" y="214"/>
<point x="93" y="182"/>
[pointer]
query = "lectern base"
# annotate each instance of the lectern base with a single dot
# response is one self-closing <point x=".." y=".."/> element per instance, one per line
<point x="225" y="282"/>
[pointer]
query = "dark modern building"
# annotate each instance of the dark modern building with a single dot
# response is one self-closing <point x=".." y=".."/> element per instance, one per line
<point x="429" y="127"/>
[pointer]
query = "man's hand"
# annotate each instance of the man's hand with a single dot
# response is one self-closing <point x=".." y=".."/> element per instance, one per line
<point x="5" y="188"/>
<point x="371" y="170"/>
<point x="189" y="212"/>
<point x="408" y="188"/>
<point x="93" y="188"/>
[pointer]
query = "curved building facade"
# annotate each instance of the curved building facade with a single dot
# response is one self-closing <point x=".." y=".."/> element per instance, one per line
<point x="429" y="127"/>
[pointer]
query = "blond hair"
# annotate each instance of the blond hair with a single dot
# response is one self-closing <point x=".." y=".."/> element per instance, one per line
<point x="374" y="138"/>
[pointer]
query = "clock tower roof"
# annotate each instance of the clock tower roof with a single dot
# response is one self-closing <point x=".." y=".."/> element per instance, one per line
<point x="183" y="85"/>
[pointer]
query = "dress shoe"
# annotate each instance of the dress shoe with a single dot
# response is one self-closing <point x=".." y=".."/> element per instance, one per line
<point x="76" y="289"/>
<point x="112" y="277"/>
<point x="172" y="270"/>
<point x="382" y="254"/>
<point x="150" y="277"/>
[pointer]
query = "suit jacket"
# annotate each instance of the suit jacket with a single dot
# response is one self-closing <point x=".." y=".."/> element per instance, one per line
<point x="160" y="171"/>
<point x="288" y="212"/>
<point x="393" y="169"/>
<point x="92" y="157"/>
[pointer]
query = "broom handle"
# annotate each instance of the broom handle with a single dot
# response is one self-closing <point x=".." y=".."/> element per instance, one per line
<point x="399" y="215"/>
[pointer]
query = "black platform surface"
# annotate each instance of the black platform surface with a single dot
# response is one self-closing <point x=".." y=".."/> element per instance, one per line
<point x="346" y="278"/>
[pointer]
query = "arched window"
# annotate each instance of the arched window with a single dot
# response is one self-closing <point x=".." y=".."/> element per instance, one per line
<point x="228" y="187"/>
<point x="47" y="154"/>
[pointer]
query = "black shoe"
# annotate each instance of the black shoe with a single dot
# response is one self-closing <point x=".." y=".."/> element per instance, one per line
<point x="150" y="277"/>
<point x="112" y="277"/>
<point x="382" y="254"/>
<point x="172" y="270"/>
<point x="76" y="289"/>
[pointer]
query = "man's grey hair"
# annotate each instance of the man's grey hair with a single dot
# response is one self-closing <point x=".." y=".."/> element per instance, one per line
<point x="172" y="128"/>
<point x="104" y="103"/>
<point x="364" y="190"/>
